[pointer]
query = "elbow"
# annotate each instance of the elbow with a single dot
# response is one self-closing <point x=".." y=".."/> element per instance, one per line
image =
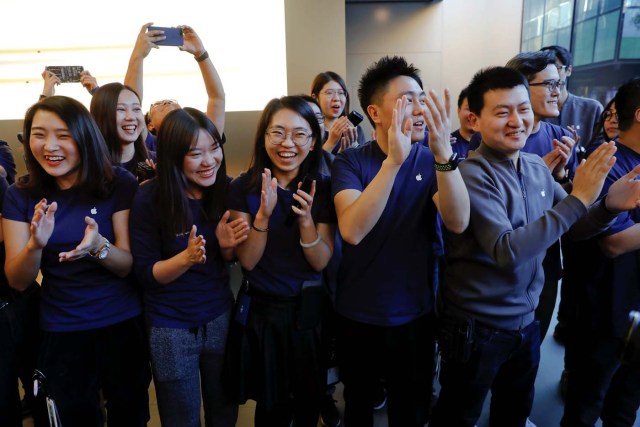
<point x="609" y="250"/>
<point x="458" y="227"/>
<point x="350" y="235"/>
<point x="352" y="240"/>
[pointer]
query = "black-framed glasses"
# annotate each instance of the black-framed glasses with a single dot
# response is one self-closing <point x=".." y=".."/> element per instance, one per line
<point x="163" y="102"/>
<point x="299" y="137"/>
<point x="331" y="92"/>
<point x="561" y="67"/>
<point x="551" y="85"/>
<point x="608" y="115"/>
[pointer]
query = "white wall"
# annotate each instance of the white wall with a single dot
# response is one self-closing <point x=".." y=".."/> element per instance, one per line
<point x="448" y="41"/>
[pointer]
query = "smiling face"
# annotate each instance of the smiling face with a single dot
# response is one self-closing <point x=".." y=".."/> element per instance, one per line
<point x="332" y="103"/>
<point x="543" y="101"/>
<point x="201" y="163"/>
<point x="506" y="120"/>
<point x="382" y="113"/>
<point x="287" y="157"/>
<point x="129" y="117"/>
<point x="54" y="148"/>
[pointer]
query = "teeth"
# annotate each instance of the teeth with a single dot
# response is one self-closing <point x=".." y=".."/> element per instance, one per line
<point x="287" y="155"/>
<point x="54" y="158"/>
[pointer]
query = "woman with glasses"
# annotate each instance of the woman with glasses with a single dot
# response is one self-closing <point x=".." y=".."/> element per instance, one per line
<point x="274" y="353"/>
<point x="117" y="111"/>
<point x="68" y="219"/>
<point x="180" y="240"/>
<point x="330" y="90"/>
<point x="606" y="128"/>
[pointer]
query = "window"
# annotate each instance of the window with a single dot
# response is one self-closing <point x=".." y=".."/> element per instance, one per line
<point x="630" y="41"/>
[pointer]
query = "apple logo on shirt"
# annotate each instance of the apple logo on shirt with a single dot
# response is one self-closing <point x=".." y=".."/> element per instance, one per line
<point x="94" y="211"/>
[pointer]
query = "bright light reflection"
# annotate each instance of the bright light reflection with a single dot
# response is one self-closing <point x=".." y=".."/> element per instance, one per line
<point x="245" y="39"/>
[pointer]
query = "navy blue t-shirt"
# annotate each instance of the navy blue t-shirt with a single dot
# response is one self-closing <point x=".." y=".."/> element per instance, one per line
<point x="199" y="295"/>
<point x="283" y="267"/>
<point x="82" y="294"/>
<point x="541" y="143"/>
<point x="385" y="280"/>
<point x="624" y="282"/>
<point x="461" y="145"/>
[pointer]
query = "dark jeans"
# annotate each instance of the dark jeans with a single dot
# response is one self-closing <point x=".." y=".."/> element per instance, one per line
<point x="505" y="362"/>
<point x="599" y="386"/>
<point x="19" y="340"/>
<point x="403" y="356"/>
<point x="114" y="359"/>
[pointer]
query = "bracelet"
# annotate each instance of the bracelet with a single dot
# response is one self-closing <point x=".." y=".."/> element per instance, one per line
<point x="312" y="244"/>
<point x="202" y="57"/>
<point x="261" y="230"/>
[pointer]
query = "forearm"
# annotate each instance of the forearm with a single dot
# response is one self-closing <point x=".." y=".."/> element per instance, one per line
<point x="453" y="201"/>
<point x="215" y="93"/>
<point x="358" y="218"/>
<point x="135" y="72"/>
<point x="621" y="243"/>
<point x="597" y="220"/>
<point x="119" y="261"/>
<point x="22" y="270"/>
<point x="319" y="254"/>
<point x="168" y="270"/>
<point x="251" y="250"/>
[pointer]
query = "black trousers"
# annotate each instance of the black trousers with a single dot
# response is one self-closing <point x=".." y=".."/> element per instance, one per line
<point x="114" y="359"/>
<point x="19" y="341"/>
<point x="403" y="356"/>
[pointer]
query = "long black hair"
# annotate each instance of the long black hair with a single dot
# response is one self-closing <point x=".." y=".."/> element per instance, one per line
<point x="178" y="133"/>
<point x="95" y="176"/>
<point x="260" y="160"/>
<point x="103" y="107"/>
<point x="328" y="76"/>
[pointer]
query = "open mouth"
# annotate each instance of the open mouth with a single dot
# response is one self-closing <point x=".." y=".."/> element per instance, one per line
<point x="54" y="160"/>
<point x="207" y="173"/>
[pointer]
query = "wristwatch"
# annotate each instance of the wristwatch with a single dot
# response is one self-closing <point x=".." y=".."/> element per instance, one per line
<point x="452" y="164"/>
<point x="103" y="251"/>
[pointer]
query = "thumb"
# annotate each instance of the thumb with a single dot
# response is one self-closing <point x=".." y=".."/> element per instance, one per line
<point x="633" y="173"/>
<point x="225" y="217"/>
<point x="408" y="123"/>
<point x="51" y="210"/>
<point x="90" y="221"/>
<point x="192" y="233"/>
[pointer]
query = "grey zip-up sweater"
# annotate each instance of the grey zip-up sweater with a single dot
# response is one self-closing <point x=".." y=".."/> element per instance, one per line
<point x="494" y="269"/>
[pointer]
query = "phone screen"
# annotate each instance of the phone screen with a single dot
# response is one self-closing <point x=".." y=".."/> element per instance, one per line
<point x="66" y="73"/>
<point x="174" y="36"/>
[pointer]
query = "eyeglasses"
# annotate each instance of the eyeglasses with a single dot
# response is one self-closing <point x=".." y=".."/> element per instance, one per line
<point x="608" y="115"/>
<point x="163" y="102"/>
<point x="561" y="67"/>
<point x="331" y="92"/>
<point x="551" y="85"/>
<point x="299" y="137"/>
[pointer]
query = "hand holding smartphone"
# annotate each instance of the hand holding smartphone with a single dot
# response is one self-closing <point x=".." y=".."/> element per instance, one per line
<point x="174" y="36"/>
<point x="306" y="187"/>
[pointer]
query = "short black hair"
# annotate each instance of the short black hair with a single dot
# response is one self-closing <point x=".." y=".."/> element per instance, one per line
<point x="561" y="53"/>
<point x="627" y="103"/>
<point x="375" y="80"/>
<point x="464" y="93"/>
<point x="531" y="63"/>
<point x="492" y="78"/>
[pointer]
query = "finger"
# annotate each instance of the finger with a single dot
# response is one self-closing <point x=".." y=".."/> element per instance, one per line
<point x="447" y="103"/>
<point x="313" y="188"/>
<point x="51" y="210"/>
<point x="408" y="124"/>
<point x="225" y="217"/>
<point x="304" y="204"/>
<point x="192" y="233"/>
<point x="633" y="173"/>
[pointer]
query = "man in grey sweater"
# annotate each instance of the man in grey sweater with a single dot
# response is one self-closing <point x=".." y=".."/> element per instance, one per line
<point x="493" y="276"/>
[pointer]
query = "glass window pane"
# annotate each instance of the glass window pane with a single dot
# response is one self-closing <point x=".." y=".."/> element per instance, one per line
<point x="630" y="43"/>
<point x="566" y="13"/>
<point x="552" y="19"/>
<point x="550" y="38"/>
<point x="607" y="5"/>
<point x="564" y="37"/>
<point x="629" y="3"/>
<point x="584" y="39"/>
<point x="606" y="39"/>
<point x="586" y="9"/>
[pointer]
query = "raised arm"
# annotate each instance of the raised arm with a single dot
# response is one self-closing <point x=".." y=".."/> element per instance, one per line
<point x="144" y="43"/>
<point x="210" y="76"/>
<point x="358" y="212"/>
<point x="452" y="198"/>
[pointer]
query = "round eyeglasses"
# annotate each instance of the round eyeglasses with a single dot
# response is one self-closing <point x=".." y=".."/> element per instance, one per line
<point x="298" y="136"/>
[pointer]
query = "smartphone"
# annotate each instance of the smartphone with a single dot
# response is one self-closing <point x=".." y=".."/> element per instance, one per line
<point x="144" y="172"/>
<point x="174" y="36"/>
<point x="306" y="187"/>
<point x="355" y="118"/>
<point x="66" y="73"/>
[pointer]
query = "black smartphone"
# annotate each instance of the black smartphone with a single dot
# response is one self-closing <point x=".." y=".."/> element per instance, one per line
<point x="174" y="36"/>
<point x="66" y="73"/>
<point x="355" y="118"/>
<point x="306" y="187"/>
<point x="144" y="172"/>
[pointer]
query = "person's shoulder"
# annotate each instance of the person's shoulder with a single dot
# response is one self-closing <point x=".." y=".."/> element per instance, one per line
<point x="123" y="175"/>
<point x="586" y="103"/>
<point x="556" y="131"/>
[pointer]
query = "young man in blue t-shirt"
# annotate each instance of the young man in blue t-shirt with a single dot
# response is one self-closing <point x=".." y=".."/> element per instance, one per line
<point x="386" y="195"/>
<point x="598" y="385"/>
<point x="489" y="337"/>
